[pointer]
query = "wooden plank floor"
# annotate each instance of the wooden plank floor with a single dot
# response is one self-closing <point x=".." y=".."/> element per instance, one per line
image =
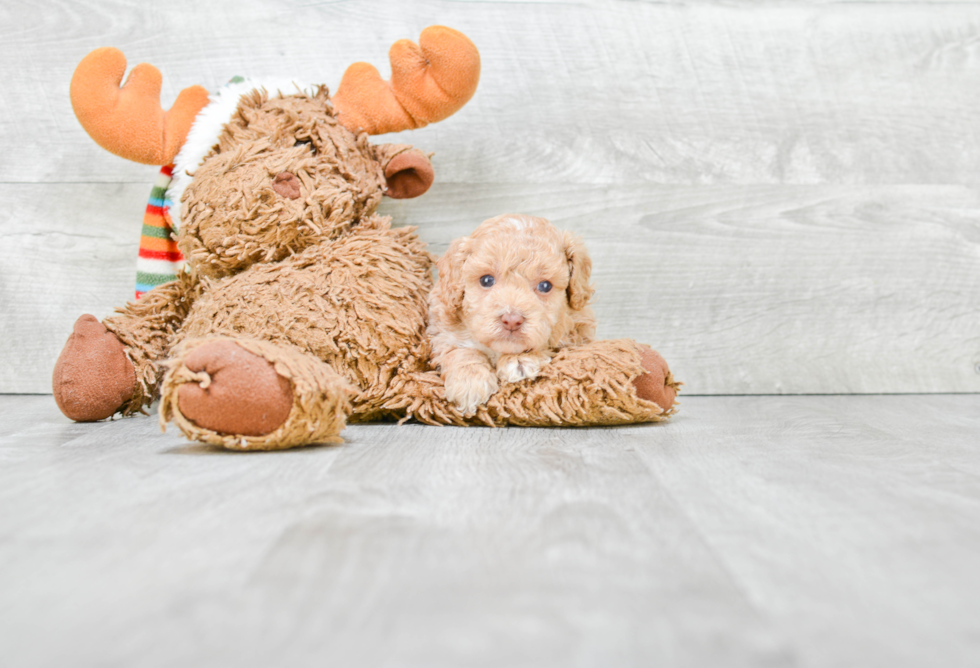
<point x="776" y="531"/>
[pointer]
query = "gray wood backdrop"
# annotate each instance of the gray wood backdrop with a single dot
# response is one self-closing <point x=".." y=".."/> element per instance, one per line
<point x="782" y="197"/>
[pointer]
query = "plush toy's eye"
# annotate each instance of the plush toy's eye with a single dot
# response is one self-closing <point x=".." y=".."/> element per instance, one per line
<point x="486" y="281"/>
<point x="306" y="142"/>
<point x="544" y="286"/>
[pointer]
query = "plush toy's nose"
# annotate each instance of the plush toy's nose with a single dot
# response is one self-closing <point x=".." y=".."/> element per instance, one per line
<point x="286" y="184"/>
<point x="512" y="321"/>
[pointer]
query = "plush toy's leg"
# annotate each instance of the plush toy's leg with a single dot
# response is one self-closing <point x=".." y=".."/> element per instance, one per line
<point x="239" y="392"/>
<point x="92" y="378"/>
<point x="599" y="383"/>
<point x="248" y="394"/>
<point x="113" y="366"/>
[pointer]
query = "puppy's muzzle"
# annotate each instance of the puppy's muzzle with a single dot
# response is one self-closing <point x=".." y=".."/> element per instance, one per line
<point x="512" y="322"/>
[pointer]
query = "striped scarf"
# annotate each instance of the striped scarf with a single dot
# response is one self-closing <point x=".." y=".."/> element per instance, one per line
<point x="159" y="259"/>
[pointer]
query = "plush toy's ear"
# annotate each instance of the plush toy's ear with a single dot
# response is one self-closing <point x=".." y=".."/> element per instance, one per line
<point x="580" y="270"/>
<point x="408" y="174"/>
<point x="130" y="121"/>
<point x="449" y="289"/>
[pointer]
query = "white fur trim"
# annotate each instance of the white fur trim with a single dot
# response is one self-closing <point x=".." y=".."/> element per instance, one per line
<point x="208" y="125"/>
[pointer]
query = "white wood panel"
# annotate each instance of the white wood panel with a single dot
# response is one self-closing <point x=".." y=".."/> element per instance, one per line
<point x="765" y="289"/>
<point x="753" y="178"/>
<point x="769" y="289"/>
<point x="836" y="531"/>
<point x="605" y="92"/>
<point x="69" y="249"/>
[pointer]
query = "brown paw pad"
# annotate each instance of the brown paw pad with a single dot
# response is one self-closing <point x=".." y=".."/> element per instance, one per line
<point x="242" y="393"/>
<point x="652" y="385"/>
<point x="92" y="378"/>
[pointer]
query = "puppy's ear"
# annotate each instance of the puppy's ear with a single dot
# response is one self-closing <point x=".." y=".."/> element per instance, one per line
<point x="449" y="289"/>
<point x="579" y="270"/>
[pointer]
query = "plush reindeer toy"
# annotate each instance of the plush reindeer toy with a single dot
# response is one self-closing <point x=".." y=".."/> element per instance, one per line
<point x="281" y="305"/>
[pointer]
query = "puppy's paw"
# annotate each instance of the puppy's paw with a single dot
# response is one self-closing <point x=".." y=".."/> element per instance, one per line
<point x="470" y="387"/>
<point x="525" y="366"/>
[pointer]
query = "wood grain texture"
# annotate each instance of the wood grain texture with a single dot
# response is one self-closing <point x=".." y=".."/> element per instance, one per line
<point x="835" y="531"/>
<point x="71" y="250"/>
<point x="610" y="92"/>
<point x="769" y="289"/>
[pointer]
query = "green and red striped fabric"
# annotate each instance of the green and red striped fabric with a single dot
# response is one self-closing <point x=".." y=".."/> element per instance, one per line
<point x="159" y="259"/>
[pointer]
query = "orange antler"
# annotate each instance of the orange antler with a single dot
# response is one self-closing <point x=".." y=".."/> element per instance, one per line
<point x="430" y="81"/>
<point x="130" y="121"/>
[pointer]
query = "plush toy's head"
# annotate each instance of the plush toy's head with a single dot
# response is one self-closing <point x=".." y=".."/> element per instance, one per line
<point x="284" y="175"/>
<point x="261" y="171"/>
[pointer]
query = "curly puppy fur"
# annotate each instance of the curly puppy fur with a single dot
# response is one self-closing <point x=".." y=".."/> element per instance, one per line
<point x="508" y="296"/>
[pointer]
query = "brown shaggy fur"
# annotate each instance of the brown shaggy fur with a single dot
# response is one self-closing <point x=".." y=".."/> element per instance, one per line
<point x="147" y="329"/>
<point x="330" y="293"/>
<point x="582" y="386"/>
<point x="232" y="215"/>
<point x="321" y="401"/>
<point x="357" y="302"/>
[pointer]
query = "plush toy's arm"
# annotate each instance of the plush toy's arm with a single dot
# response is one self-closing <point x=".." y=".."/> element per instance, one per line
<point x="114" y="366"/>
<point x="600" y="383"/>
<point x="146" y="327"/>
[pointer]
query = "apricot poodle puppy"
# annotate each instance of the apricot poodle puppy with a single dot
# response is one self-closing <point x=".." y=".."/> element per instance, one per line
<point x="507" y="297"/>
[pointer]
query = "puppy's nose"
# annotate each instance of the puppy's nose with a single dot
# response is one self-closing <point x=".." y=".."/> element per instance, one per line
<point x="512" y="321"/>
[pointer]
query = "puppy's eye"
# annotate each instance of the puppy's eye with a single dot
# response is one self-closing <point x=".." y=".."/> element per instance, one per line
<point x="486" y="281"/>
<point x="544" y="286"/>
